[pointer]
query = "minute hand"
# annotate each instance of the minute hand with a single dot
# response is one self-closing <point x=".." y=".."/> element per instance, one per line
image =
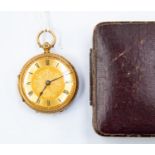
<point x="59" y="77"/>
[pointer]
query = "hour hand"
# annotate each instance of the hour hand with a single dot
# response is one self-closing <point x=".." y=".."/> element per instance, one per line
<point x="41" y="93"/>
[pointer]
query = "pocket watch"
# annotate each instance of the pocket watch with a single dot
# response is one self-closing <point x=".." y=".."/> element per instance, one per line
<point x="48" y="82"/>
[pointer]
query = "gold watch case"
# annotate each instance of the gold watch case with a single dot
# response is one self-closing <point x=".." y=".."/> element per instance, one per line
<point x="48" y="82"/>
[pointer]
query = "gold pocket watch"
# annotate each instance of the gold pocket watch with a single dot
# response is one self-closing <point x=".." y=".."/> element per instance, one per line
<point x="48" y="82"/>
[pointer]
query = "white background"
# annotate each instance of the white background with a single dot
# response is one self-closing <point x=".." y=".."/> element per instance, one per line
<point x="18" y="30"/>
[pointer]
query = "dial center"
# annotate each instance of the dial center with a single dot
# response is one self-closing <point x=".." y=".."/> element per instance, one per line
<point x="48" y="82"/>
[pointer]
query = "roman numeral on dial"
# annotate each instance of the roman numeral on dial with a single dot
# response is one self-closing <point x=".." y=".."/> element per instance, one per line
<point x="30" y="73"/>
<point x="30" y="93"/>
<point x="28" y="83"/>
<point x="67" y="82"/>
<point x="37" y="65"/>
<point x="47" y="62"/>
<point x="59" y="100"/>
<point x="66" y="92"/>
<point x="48" y="102"/>
<point x="57" y="64"/>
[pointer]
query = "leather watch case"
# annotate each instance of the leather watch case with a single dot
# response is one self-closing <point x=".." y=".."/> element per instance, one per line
<point x="122" y="78"/>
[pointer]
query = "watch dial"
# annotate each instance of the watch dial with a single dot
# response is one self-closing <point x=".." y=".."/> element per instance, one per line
<point x="48" y="83"/>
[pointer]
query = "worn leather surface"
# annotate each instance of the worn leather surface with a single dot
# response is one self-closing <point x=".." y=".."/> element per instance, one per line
<point x="123" y="79"/>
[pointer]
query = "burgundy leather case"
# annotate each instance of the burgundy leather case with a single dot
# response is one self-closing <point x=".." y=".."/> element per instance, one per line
<point x="122" y="71"/>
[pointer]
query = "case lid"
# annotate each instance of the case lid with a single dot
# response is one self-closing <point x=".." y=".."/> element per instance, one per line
<point x="123" y="78"/>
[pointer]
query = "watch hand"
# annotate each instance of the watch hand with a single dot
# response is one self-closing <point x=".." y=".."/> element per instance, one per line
<point x="59" y="77"/>
<point x="42" y="92"/>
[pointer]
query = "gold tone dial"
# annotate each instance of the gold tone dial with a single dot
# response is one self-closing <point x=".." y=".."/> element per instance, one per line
<point x="48" y="83"/>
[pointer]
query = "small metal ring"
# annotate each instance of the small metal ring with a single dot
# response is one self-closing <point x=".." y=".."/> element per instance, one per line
<point x="50" y="45"/>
